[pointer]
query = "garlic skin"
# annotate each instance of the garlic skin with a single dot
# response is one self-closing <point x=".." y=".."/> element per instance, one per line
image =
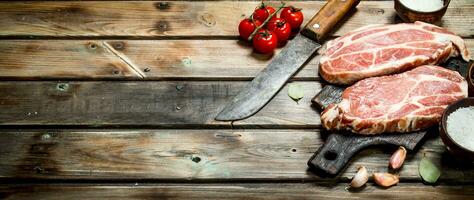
<point x="397" y="159"/>
<point x="385" y="179"/>
<point x="360" y="178"/>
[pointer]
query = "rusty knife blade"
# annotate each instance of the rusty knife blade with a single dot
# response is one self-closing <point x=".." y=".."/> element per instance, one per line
<point x="270" y="80"/>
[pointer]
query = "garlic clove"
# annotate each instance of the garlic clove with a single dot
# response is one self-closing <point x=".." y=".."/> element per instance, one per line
<point x="360" y="178"/>
<point x="397" y="159"/>
<point x="385" y="179"/>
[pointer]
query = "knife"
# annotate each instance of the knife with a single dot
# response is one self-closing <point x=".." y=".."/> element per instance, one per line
<point x="271" y="79"/>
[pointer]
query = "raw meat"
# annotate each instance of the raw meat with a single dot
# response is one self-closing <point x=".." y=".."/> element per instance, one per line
<point x="404" y="102"/>
<point x="377" y="50"/>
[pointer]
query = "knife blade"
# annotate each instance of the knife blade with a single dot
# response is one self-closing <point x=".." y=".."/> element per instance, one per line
<point x="291" y="58"/>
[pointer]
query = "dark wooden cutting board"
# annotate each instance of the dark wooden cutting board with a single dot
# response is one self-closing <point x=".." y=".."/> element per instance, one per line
<point x="340" y="146"/>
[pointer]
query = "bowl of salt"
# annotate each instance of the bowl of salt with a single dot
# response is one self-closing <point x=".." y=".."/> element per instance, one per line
<point x="430" y="11"/>
<point x="457" y="129"/>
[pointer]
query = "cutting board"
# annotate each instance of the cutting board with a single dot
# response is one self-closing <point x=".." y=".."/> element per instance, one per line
<point x="340" y="146"/>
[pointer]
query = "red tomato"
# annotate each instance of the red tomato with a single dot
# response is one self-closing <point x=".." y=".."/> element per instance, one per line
<point x="265" y="41"/>
<point x="281" y="29"/>
<point x="262" y="12"/>
<point x="293" y="16"/>
<point x="247" y="26"/>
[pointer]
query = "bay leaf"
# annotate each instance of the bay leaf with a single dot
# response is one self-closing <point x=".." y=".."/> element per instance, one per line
<point x="295" y="91"/>
<point x="429" y="172"/>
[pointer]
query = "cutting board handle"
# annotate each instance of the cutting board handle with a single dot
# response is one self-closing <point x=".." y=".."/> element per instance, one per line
<point x="338" y="149"/>
<point x="327" y="17"/>
<point x="336" y="153"/>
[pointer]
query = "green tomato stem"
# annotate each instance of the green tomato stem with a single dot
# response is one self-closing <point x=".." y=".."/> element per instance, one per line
<point x="282" y="5"/>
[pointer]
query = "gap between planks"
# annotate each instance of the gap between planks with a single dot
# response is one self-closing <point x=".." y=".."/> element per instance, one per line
<point x="234" y="191"/>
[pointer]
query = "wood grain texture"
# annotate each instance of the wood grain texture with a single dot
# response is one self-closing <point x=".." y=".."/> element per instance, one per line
<point x="178" y="19"/>
<point x="195" y="156"/>
<point x="234" y="191"/>
<point x="139" y="59"/>
<point x="151" y="103"/>
<point x="136" y="59"/>
<point x="61" y="59"/>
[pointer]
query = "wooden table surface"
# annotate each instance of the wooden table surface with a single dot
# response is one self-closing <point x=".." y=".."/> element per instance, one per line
<point x="116" y="99"/>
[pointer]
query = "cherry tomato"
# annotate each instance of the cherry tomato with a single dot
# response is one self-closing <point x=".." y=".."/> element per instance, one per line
<point x="247" y="26"/>
<point x="293" y="16"/>
<point x="262" y="12"/>
<point x="265" y="41"/>
<point x="281" y="29"/>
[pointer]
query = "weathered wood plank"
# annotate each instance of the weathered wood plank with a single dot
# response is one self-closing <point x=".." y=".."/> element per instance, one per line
<point x="61" y="59"/>
<point x="232" y="191"/>
<point x="151" y="103"/>
<point x="189" y="19"/>
<point x="194" y="155"/>
<point x="135" y="59"/>
<point x="138" y="59"/>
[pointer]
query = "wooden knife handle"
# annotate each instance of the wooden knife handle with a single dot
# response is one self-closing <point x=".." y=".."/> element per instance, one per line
<point x="327" y="17"/>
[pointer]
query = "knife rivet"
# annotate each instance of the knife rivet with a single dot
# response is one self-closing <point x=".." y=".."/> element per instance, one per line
<point x="316" y="26"/>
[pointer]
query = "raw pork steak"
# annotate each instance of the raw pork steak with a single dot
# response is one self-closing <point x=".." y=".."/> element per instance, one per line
<point x="377" y="50"/>
<point x="404" y="102"/>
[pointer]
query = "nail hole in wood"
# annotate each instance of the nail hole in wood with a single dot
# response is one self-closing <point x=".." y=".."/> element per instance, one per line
<point x="293" y="150"/>
<point x="196" y="159"/>
<point x="92" y="46"/>
<point x="162" y="26"/>
<point x="162" y="5"/>
<point x="147" y="69"/>
<point x="116" y="72"/>
<point x="118" y="45"/>
<point x="330" y="155"/>
<point x="62" y="86"/>
<point x="381" y="11"/>
<point x="38" y="170"/>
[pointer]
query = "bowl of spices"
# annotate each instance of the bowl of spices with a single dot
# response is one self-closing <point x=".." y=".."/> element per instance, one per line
<point x="457" y="129"/>
<point x="421" y="10"/>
